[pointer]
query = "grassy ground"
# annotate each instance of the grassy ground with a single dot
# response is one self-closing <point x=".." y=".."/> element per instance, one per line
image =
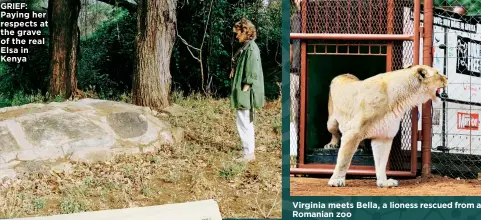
<point x="201" y="167"/>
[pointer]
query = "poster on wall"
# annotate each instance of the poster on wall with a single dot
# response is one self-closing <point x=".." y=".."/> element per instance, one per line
<point x="468" y="60"/>
<point x="467" y="121"/>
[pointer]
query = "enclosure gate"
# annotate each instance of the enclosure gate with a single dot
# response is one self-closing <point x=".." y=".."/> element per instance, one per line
<point x="389" y="28"/>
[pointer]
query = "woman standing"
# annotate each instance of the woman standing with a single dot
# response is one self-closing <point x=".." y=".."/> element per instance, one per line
<point x="247" y="85"/>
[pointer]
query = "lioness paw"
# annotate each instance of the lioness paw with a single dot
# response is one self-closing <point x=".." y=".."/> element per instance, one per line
<point x="387" y="183"/>
<point x="331" y="146"/>
<point x="337" y="182"/>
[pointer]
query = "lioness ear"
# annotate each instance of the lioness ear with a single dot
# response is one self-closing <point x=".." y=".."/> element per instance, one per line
<point x="422" y="72"/>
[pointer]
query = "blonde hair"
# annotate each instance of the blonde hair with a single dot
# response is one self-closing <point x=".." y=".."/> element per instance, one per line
<point x="246" y="27"/>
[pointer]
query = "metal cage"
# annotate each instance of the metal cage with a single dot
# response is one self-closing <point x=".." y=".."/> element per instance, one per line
<point x="383" y="28"/>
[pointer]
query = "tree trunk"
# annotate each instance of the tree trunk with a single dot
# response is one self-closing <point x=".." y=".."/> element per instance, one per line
<point x="64" y="46"/>
<point x="152" y="80"/>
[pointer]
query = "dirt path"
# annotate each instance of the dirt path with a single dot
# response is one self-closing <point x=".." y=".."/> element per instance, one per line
<point x="434" y="186"/>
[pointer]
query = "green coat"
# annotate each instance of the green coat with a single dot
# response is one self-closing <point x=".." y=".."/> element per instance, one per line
<point x="248" y="70"/>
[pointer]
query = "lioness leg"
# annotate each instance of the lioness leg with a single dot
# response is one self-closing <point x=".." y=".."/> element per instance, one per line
<point x="380" y="150"/>
<point x="333" y="128"/>
<point x="349" y="144"/>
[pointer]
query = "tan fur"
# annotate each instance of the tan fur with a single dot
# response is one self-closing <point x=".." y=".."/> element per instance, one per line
<point x="372" y="109"/>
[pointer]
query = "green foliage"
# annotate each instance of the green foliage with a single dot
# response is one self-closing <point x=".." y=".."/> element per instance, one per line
<point x="93" y="15"/>
<point x="34" y="4"/>
<point x="230" y="170"/>
<point x="107" y="52"/>
<point x="3" y="68"/>
<point x="107" y="57"/>
<point x="39" y="203"/>
<point x="220" y="43"/>
<point x="21" y="98"/>
<point x="5" y="101"/>
<point x="473" y="7"/>
<point x="71" y="205"/>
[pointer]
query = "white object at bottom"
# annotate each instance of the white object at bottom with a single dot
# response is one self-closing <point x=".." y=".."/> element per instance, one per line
<point x="294" y="139"/>
<point x="206" y="209"/>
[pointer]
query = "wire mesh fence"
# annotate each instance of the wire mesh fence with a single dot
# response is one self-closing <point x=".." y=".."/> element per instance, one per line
<point x="402" y="53"/>
<point x="355" y="16"/>
<point x="295" y="58"/>
<point x="456" y="138"/>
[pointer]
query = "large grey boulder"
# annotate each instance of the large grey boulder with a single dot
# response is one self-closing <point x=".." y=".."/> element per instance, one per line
<point x="87" y="130"/>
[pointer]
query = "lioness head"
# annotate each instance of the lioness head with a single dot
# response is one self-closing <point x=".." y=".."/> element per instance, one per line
<point x="429" y="78"/>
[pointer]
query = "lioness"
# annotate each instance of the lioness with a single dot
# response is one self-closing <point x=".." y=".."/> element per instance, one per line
<point x="372" y="109"/>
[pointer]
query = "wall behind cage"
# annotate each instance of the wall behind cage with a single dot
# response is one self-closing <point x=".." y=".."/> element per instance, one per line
<point x="456" y="136"/>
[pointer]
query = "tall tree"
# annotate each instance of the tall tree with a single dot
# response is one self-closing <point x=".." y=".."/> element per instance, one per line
<point x="156" y="21"/>
<point x="64" y="46"/>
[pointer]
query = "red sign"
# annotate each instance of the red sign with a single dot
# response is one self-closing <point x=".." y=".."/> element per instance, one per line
<point x="468" y="121"/>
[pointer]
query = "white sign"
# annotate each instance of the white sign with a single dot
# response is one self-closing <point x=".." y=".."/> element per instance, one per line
<point x="468" y="56"/>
